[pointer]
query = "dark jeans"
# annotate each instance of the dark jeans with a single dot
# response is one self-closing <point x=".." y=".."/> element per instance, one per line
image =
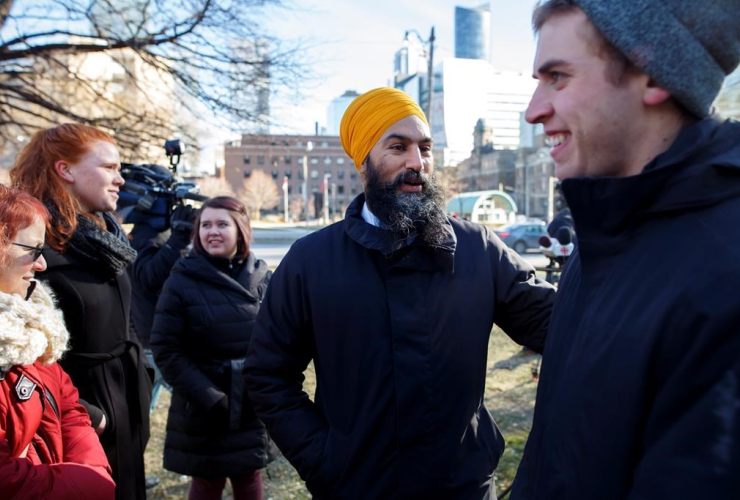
<point x="247" y="487"/>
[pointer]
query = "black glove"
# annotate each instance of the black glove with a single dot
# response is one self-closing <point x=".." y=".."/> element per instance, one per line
<point x="183" y="218"/>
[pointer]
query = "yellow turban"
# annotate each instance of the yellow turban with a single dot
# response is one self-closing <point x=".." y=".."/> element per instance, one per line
<point x="370" y="115"/>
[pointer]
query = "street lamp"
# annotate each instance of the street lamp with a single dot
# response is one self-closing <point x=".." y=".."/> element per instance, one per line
<point x="309" y="148"/>
<point x="285" y="198"/>
<point x="429" y="54"/>
<point x="325" y="187"/>
<point x="334" y="199"/>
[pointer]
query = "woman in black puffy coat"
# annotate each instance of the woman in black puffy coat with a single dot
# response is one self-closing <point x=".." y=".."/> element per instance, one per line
<point x="202" y="328"/>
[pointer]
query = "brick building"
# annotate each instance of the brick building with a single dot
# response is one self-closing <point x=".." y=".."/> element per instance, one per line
<point x="281" y="156"/>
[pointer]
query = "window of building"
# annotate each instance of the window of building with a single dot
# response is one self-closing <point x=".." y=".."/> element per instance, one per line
<point x="353" y="175"/>
<point x="314" y="160"/>
<point x="288" y="173"/>
<point x="275" y="174"/>
<point x="246" y="159"/>
<point x="340" y="160"/>
<point x="300" y="175"/>
<point x="290" y="189"/>
<point x="327" y="160"/>
<point x="340" y="189"/>
<point x="247" y="173"/>
<point x="314" y="174"/>
<point x="340" y="175"/>
<point x="260" y="160"/>
<point x="299" y="144"/>
<point x="324" y="144"/>
<point x="353" y="190"/>
<point x="288" y="159"/>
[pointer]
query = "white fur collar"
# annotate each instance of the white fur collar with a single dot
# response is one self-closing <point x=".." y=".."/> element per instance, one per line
<point x="31" y="330"/>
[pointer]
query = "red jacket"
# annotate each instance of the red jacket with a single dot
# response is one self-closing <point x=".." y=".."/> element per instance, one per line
<point x="40" y="412"/>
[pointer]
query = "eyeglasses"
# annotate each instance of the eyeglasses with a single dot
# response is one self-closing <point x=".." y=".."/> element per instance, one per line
<point x="37" y="251"/>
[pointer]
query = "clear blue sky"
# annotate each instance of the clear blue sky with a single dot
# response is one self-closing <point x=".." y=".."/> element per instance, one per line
<point x="356" y="41"/>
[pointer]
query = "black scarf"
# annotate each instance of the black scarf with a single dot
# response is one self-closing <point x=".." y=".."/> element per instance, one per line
<point x="108" y="250"/>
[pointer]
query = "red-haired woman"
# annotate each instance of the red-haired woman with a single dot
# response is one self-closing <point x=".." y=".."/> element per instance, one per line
<point x="75" y="171"/>
<point x="48" y="448"/>
<point x="202" y="327"/>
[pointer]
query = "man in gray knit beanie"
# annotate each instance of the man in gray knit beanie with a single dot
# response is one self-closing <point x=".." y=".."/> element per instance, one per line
<point x="640" y="388"/>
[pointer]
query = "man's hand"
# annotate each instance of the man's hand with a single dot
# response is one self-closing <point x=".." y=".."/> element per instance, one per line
<point x="183" y="218"/>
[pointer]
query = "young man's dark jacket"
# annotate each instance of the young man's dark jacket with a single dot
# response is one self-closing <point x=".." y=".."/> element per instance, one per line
<point x="640" y="389"/>
<point x="399" y="341"/>
<point x="202" y="326"/>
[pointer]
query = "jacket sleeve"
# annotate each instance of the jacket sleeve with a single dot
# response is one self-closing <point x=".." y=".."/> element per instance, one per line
<point x="83" y="475"/>
<point x="523" y="301"/>
<point x="280" y="351"/>
<point x="692" y="435"/>
<point x="156" y="256"/>
<point x="80" y="442"/>
<point x="169" y="334"/>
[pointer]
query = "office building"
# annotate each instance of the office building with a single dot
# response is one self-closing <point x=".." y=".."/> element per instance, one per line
<point x="281" y="156"/>
<point x="336" y="110"/>
<point x="473" y="32"/>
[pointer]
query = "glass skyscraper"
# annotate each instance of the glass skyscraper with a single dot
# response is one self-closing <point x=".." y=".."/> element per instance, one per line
<point x="473" y="32"/>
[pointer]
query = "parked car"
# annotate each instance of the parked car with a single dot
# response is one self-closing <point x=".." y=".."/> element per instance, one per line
<point x="522" y="237"/>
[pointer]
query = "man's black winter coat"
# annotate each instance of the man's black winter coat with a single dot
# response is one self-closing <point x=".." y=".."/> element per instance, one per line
<point x="156" y="253"/>
<point x="640" y="389"/>
<point x="398" y="332"/>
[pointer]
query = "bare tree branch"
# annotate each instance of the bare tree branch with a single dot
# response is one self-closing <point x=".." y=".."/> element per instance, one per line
<point x="144" y="69"/>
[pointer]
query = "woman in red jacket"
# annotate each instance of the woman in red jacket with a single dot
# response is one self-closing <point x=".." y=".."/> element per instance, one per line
<point x="48" y="449"/>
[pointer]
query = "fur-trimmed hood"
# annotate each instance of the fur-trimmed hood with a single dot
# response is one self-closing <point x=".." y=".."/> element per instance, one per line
<point x="32" y="329"/>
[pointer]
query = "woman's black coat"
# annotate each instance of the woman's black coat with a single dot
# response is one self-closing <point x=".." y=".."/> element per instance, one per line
<point x="202" y="328"/>
<point x="105" y="362"/>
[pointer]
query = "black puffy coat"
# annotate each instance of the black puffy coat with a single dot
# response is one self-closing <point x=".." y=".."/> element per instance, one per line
<point x="202" y="328"/>
<point x="398" y="334"/>
<point x="640" y="389"/>
<point x="105" y="362"/>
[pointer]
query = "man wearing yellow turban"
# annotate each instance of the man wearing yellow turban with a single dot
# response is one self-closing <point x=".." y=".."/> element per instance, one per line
<point x="394" y="305"/>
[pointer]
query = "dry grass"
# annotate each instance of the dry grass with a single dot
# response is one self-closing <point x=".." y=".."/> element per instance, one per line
<point x="510" y="393"/>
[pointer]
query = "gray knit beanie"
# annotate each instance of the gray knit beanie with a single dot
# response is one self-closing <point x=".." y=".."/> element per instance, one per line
<point x="687" y="46"/>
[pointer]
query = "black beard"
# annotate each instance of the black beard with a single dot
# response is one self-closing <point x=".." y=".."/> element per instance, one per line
<point x="404" y="213"/>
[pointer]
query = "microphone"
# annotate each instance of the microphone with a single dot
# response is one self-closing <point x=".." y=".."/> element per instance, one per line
<point x="544" y="242"/>
<point x="565" y="236"/>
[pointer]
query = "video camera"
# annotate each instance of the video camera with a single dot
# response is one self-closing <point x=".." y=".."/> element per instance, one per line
<point x="151" y="192"/>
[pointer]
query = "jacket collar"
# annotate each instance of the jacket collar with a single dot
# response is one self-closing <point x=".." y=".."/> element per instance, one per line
<point x="701" y="168"/>
<point x="31" y="330"/>
<point x="410" y="252"/>
<point x="246" y="283"/>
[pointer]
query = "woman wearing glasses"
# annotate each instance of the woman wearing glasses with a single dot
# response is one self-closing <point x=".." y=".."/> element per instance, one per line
<point x="74" y="170"/>
<point x="47" y="447"/>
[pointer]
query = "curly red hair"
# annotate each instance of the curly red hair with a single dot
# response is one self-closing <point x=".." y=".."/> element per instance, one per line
<point x="18" y="210"/>
<point x="34" y="173"/>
